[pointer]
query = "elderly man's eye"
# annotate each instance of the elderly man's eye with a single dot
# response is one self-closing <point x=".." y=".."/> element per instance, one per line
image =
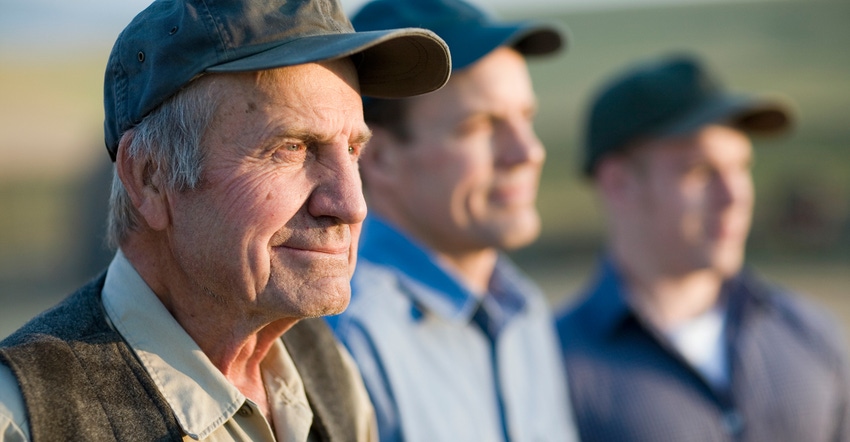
<point x="289" y="151"/>
<point x="355" y="149"/>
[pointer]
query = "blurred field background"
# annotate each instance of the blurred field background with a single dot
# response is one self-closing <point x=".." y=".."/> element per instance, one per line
<point x="54" y="171"/>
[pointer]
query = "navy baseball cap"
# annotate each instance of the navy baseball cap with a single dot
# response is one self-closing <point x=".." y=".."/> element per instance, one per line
<point x="173" y="41"/>
<point x="470" y="32"/>
<point x="675" y="95"/>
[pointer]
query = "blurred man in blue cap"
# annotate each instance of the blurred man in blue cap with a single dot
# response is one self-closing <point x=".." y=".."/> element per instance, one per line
<point x="235" y="127"/>
<point x="454" y="343"/>
<point x="674" y="339"/>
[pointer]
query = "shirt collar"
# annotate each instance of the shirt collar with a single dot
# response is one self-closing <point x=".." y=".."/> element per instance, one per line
<point x="606" y="302"/>
<point x="201" y="398"/>
<point x="746" y="294"/>
<point x="292" y="415"/>
<point x="432" y="286"/>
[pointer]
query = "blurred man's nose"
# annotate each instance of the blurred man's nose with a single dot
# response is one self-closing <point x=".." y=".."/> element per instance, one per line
<point x="518" y="144"/>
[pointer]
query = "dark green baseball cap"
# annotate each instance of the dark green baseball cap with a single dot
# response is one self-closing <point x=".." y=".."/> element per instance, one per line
<point x="673" y="95"/>
<point x="171" y="42"/>
<point x="470" y="32"/>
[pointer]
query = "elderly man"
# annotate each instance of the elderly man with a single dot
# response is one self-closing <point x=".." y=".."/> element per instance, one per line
<point x="674" y="339"/>
<point x="236" y="129"/>
<point x="453" y="342"/>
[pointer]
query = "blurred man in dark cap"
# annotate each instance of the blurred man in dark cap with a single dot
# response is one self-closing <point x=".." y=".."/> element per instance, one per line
<point x="236" y="128"/>
<point x="454" y="343"/>
<point x="675" y="339"/>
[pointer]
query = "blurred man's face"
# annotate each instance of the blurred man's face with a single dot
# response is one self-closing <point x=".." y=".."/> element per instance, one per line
<point x="693" y="200"/>
<point x="468" y="178"/>
<point x="272" y="229"/>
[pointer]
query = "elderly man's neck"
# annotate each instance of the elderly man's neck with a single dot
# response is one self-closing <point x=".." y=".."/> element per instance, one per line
<point x="235" y="341"/>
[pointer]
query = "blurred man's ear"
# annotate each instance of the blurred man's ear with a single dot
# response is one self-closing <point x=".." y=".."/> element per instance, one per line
<point x="380" y="158"/>
<point x="612" y="178"/>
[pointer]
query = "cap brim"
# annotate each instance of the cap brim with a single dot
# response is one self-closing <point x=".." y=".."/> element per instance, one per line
<point x="469" y="44"/>
<point x="541" y="39"/>
<point x="753" y="115"/>
<point x="390" y="64"/>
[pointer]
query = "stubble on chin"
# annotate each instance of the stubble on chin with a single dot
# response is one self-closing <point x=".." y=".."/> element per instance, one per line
<point x="319" y="288"/>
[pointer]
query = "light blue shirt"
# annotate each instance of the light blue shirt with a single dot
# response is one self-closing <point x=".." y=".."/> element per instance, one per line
<point x="432" y="372"/>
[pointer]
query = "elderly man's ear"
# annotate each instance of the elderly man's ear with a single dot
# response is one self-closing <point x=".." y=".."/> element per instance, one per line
<point x="143" y="181"/>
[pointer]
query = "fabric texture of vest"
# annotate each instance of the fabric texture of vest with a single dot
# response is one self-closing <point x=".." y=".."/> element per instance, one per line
<point x="81" y="381"/>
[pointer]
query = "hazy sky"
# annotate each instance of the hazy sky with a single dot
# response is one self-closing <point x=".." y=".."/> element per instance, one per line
<point x="57" y="25"/>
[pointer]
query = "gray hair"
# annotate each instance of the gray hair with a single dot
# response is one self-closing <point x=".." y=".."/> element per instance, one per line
<point x="169" y="139"/>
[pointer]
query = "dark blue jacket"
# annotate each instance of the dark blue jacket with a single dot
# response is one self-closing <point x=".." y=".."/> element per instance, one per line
<point x="787" y="365"/>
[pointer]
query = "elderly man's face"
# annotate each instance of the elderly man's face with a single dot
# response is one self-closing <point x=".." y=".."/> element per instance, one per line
<point x="469" y="177"/>
<point x="692" y="200"/>
<point x="272" y="230"/>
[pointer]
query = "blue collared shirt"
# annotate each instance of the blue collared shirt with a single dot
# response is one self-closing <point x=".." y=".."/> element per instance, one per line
<point x="434" y="373"/>
<point x="788" y="372"/>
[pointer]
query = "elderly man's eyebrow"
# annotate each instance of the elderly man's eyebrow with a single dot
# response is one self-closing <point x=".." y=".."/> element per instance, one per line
<point x="309" y="136"/>
<point x="362" y="137"/>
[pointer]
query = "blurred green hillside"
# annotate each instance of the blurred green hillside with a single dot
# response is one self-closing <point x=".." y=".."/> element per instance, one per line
<point x="50" y="116"/>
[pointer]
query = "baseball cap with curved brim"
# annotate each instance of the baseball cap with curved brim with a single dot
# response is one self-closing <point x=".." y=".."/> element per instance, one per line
<point x="672" y="96"/>
<point x="469" y="31"/>
<point x="173" y="41"/>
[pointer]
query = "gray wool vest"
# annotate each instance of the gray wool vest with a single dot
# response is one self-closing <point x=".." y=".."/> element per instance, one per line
<point x="81" y="381"/>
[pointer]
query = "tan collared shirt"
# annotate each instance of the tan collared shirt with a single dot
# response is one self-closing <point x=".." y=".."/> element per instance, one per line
<point x="207" y="406"/>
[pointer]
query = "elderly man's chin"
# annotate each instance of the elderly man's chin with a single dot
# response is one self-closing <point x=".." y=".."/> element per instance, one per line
<point x="333" y="296"/>
<point x="326" y="293"/>
<point x="334" y="304"/>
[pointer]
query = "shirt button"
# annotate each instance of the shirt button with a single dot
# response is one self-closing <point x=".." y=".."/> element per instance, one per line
<point x="245" y="411"/>
<point x="733" y="422"/>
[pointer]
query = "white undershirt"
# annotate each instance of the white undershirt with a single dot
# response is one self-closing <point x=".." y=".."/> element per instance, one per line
<point x="701" y="342"/>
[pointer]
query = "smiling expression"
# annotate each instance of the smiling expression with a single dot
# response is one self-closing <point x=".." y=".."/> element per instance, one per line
<point x="467" y="180"/>
<point x="273" y="227"/>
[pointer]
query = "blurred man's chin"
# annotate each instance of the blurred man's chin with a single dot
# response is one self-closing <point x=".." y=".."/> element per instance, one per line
<point x="727" y="262"/>
<point x="520" y="233"/>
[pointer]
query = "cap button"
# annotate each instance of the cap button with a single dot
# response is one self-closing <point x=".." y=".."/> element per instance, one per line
<point x="245" y="410"/>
